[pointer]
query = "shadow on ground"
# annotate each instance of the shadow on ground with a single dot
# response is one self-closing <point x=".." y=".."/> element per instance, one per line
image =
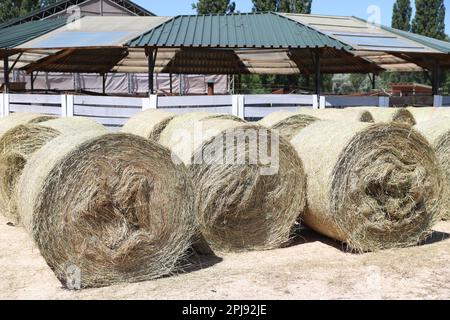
<point x="435" y="237"/>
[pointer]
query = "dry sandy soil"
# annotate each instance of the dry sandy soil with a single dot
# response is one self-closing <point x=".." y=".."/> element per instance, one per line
<point x="311" y="268"/>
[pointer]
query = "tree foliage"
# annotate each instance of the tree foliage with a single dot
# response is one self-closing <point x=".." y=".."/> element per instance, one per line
<point x="214" y="6"/>
<point x="430" y="19"/>
<point x="401" y="15"/>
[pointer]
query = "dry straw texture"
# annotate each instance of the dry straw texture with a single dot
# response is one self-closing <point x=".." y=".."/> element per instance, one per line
<point x="238" y="205"/>
<point x="19" y="118"/>
<point x="398" y="115"/>
<point x="148" y="124"/>
<point x="350" y="114"/>
<point x="437" y="131"/>
<point x="287" y="123"/>
<point x="428" y="113"/>
<point x="373" y="186"/>
<point x="18" y="144"/>
<point x="107" y="208"/>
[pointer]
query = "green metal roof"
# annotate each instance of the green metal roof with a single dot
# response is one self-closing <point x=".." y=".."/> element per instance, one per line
<point x="16" y="35"/>
<point x="241" y="30"/>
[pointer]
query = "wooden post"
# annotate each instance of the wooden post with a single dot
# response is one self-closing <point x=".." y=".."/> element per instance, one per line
<point x="151" y="54"/>
<point x="374" y="81"/>
<point x="317" y="72"/>
<point x="32" y="81"/>
<point x="104" y="76"/>
<point x="6" y="73"/>
<point x="171" y="82"/>
<point x="436" y="78"/>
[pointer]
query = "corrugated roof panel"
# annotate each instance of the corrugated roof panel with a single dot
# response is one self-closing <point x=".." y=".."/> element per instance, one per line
<point x="239" y="30"/>
<point x="94" y="31"/>
<point x="16" y="35"/>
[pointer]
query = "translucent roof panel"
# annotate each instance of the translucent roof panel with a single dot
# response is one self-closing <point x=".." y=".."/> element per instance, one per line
<point x="94" y="31"/>
<point x="360" y="34"/>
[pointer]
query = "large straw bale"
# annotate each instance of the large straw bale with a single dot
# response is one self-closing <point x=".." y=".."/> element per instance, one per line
<point x="107" y="208"/>
<point x="373" y="186"/>
<point x="18" y="144"/>
<point x="287" y="123"/>
<point x="350" y="114"/>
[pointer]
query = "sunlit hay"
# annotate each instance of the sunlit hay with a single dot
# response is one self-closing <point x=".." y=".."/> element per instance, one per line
<point x="19" y="118"/>
<point x="373" y="186"/>
<point x="244" y="205"/>
<point x="423" y="114"/>
<point x="397" y="115"/>
<point x="18" y="144"/>
<point x="350" y="114"/>
<point x="437" y="132"/>
<point x="107" y="208"/>
<point x="287" y="123"/>
<point x="148" y="124"/>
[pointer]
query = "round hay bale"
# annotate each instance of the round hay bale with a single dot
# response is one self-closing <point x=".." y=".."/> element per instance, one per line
<point x="373" y="186"/>
<point x="19" y="118"/>
<point x="397" y="115"/>
<point x="243" y="202"/>
<point x="107" y="208"/>
<point x="287" y="123"/>
<point x="423" y="114"/>
<point x="148" y="124"/>
<point x="350" y="114"/>
<point x="18" y="144"/>
<point x="437" y="131"/>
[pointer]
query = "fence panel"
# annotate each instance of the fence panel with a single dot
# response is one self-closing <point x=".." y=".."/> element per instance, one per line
<point x="349" y="101"/>
<point x="446" y="101"/>
<point x="37" y="103"/>
<point x="259" y="106"/>
<point x="112" y="112"/>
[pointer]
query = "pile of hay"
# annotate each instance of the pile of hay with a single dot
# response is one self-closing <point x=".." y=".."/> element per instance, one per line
<point x="242" y="201"/>
<point x="437" y="131"/>
<point x="19" y="118"/>
<point x="18" y="144"/>
<point x="148" y="124"/>
<point x="349" y="114"/>
<point x="423" y="114"/>
<point x="107" y="208"/>
<point x="373" y="186"/>
<point x="287" y="123"/>
<point x="397" y="115"/>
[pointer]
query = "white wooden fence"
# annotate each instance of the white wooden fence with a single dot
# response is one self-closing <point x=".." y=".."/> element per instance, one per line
<point x="113" y="112"/>
<point x="442" y="101"/>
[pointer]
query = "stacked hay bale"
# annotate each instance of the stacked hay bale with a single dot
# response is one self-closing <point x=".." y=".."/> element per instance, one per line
<point x="107" y="208"/>
<point x="243" y="201"/>
<point x="287" y="123"/>
<point x="349" y="114"/>
<point x="424" y="114"/>
<point x="437" y="131"/>
<point x="20" y="142"/>
<point x="372" y="186"/>
<point x="386" y="115"/>
<point x="19" y="118"/>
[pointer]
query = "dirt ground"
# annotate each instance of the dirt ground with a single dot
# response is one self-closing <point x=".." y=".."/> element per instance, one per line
<point x="312" y="268"/>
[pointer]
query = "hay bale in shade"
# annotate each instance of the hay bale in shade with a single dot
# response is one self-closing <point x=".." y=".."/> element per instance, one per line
<point x="373" y="186"/>
<point x="107" y="208"/>
<point x="398" y="115"/>
<point x="423" y="114"/>
<point x="242" y="202"/>
<point x="287" y="123"/>
<point x="437" y="131"/>
<point x="148" y="124"/>
<point x="19" y="118"/>
<point x="350" y="114"/>
<point x="18" y="144"/>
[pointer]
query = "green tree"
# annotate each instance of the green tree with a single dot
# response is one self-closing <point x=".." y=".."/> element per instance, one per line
<point x="293" y="6"/>
<point x="430" y="19"/>
<point x="214" y="6"/>
<point x="401" y="15"/>
<point x="10" y="9"/>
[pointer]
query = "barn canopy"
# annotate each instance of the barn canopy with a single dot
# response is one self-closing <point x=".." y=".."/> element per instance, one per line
<point x="241" y="43"/>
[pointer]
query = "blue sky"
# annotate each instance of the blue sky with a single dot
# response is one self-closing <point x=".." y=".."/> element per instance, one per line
<point x="333" y="7"/>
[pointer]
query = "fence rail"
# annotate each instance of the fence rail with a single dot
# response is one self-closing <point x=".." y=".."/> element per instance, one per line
<point x="113" y="112"/>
